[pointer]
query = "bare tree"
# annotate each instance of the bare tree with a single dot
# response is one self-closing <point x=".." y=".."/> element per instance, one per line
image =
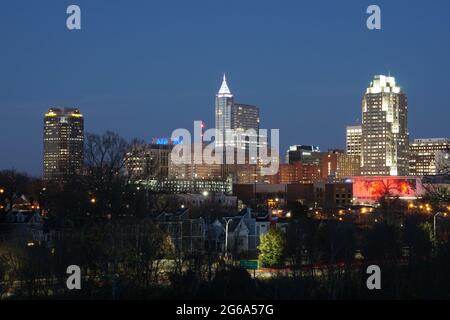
<point x="14" y="184"/>
<point x="105" y="158"/>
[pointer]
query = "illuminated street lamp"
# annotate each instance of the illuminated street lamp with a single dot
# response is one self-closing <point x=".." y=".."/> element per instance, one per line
<point x="2" y="191"/>
<point x="205" y="193"/>
<point x="93" y="200"/>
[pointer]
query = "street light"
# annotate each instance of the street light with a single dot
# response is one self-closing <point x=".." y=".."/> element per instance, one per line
<point x="2" y="191"/>
<point x="93" y="200"/>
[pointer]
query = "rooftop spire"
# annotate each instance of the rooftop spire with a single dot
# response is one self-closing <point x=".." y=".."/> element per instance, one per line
<point x="224" y="91"/>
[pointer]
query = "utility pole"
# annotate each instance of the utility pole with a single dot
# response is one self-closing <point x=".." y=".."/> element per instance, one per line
<point x="227" y="221"/>
<point x="434" y="226"/>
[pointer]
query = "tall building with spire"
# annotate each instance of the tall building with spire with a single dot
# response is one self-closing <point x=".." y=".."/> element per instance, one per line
<point x="235" y="116"/>
<point x="384" y="136"/>
<point x="240" y="119"/>
<point x="224" y="106"/>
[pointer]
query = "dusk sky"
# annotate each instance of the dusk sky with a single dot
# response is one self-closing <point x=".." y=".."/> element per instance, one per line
<point x="143" y="68"/>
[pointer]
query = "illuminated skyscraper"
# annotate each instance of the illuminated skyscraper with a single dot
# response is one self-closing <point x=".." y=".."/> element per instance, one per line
<point x="235" y="116"/>
<point x="63" y="144"/>
<point x="384" y="129"/>
<point x="224" y="105"/>
<point x="238" y="125"/>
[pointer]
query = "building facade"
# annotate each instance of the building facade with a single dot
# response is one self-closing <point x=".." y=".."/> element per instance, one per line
<point x="194" y="169"/>
<point x="337" y="165"/>
<point x="297" y="172"/>
<point x="245" y="117"/>
<point x="385" y="137"/>
<point x="177" y="186"/>
<point x="149" y="161"/>
<point x="303" y="153"/>
<point x="63" y="144"/>
<point x="353" y="140"/>
<point x="425" y="156"/>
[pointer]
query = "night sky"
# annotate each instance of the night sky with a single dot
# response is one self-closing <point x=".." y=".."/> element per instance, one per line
<point x="143" y="67"/>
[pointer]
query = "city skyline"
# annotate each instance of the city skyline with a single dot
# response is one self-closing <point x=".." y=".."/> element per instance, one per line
<point x="238" y="154"/>
<point x="146" y="100"/>
<point x="224" y="83"/>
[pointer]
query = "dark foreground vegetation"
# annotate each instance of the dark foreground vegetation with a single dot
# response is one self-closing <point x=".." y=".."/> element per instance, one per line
<point x="133" y="259"/>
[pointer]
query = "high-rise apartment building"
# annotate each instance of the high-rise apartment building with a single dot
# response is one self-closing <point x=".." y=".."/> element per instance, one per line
<point x="353" y="141"/>
<point x="425" y="155"/>
<point x="384" y="140"/>
<point x="63" y="144"/>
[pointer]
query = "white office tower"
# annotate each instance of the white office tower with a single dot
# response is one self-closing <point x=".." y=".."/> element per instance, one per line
<point x="384" y="138"/>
